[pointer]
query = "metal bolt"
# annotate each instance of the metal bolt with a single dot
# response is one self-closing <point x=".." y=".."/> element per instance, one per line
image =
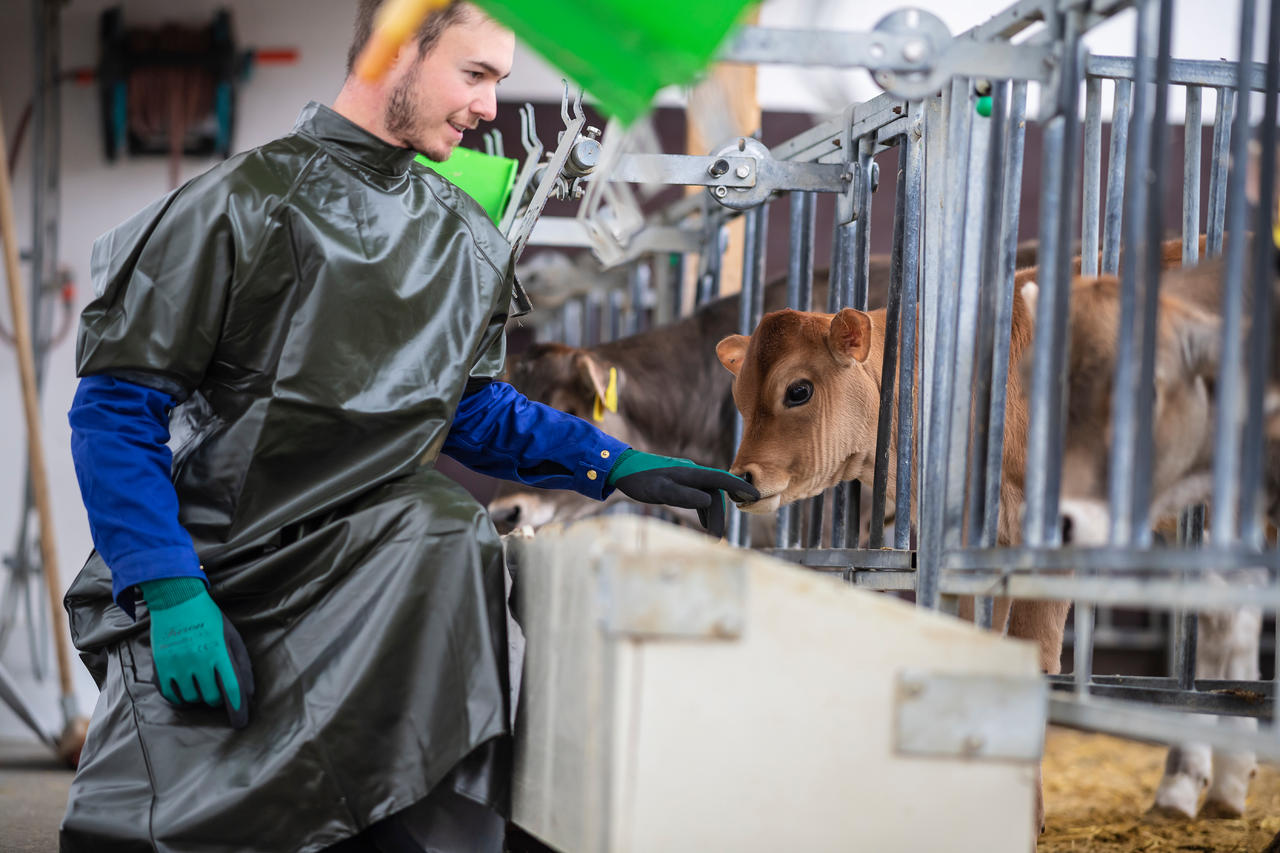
<point x="743" y="170"/>
<point x="721" y="192"/>
<point x="877" y="50"/>
<point x="914" y="50"/>
<point x="718" y="168"/>
<point x="982" y="88"/>
<point x="846" y="176"/>
<point x="593" y="132"/>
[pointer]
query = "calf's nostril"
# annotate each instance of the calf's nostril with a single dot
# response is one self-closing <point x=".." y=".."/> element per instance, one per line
<point x="746" y="475"/>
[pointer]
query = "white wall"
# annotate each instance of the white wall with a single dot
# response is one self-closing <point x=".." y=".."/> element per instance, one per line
<point x="97" y="195"/>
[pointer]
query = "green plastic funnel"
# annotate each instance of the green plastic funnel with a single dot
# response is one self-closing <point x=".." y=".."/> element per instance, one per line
<point x="484" y="177"/>
<point x="622" y="51"/>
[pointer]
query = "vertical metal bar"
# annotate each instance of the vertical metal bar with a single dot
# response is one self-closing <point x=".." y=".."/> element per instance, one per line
<point x="1057" y="214"/>
<point x="1116" y="172"/>
<point x="913" y="178"/>
<point x="936" y="121"/>
<point x="880" y="478"/>
<point x="640" y="282"/>
<point x="1140" y="511"/>
<point x="1128" y="394"/>
<point x="799" y="295"/>
<point x="1224" y="116"/>
<point x="1226" y="460"/>
<point x="984" y="502"/>
<point x="1017" y="129"/>
<point x="984" y="249"/>
<point x="1092" y="176"/>
<point x="1263" y="273"/>
<point x="1192" y="132"/>
<point x="750" y="308"/>
<point x="844" y="264"/>
<point x="933" y="500"/>
<point x="1082" y="649"/>
<point x="1190" y="535"/>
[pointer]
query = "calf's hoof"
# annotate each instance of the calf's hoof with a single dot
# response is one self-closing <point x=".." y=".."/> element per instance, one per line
<point x="1177" y="797"/>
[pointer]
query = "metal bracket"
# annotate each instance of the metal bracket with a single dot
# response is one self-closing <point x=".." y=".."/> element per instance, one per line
<point x="910" y="52"/>
<point x="970" y="716"/>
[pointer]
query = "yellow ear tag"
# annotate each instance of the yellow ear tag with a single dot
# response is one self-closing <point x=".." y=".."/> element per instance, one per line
<point x="1275" y="224"/>
<point x="610" y="401"/>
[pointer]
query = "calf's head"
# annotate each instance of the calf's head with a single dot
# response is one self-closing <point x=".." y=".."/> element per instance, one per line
<point x="572" y="380"/>
<point x="808" y="388"/>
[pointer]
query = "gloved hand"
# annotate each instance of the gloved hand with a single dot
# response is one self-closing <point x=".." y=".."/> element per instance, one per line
<point x="198" y="653"/>
<point x="654" y="479"/>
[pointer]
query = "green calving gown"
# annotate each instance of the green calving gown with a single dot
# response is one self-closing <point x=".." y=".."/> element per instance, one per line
<point x="320" y="305"/>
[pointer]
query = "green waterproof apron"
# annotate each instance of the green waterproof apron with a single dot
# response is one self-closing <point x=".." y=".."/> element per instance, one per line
<point x="319" y="304"/>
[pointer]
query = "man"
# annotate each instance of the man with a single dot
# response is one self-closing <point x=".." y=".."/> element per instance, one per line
<point x="309" y="325"/>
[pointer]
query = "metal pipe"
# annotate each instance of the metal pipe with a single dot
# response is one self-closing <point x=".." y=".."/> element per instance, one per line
<point x="1016" y="127"/>
<point x="1263" y="272"/>
<point x="1092" y="176"/>
<point x="913" y="178"/>
<point x="1116" y="171"/>
<point x="1226" y="460"/>
<point x="1224" y="116"/>
<point x="1192" y="132"/>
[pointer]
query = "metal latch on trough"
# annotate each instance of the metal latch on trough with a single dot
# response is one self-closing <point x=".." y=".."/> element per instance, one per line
<point x="667" y="596"/>
<point x="970" y="715"/>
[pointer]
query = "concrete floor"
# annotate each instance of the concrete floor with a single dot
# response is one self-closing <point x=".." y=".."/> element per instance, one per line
<point x="33" y="796"/>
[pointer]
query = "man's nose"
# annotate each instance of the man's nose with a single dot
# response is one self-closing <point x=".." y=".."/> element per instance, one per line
<point x="485" y="107"/>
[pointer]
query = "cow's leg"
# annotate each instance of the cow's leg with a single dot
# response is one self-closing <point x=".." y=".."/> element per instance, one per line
<point x="1240" y="634"/>
<point x="1188" y="769"/>
<point x="1042" y="622"/>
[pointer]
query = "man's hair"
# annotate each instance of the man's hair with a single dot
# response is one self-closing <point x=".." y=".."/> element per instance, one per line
<point x="437" y="22"/>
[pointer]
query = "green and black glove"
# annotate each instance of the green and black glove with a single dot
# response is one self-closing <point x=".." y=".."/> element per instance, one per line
<point x="654" y="479"/>
<point x="198" y="653"/>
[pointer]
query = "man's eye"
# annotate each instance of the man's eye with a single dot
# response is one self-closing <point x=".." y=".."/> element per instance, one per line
<point x="798" y="393"/>
<point x="476" y="75"/>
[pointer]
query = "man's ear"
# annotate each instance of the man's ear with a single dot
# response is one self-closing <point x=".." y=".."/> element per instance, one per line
<point x="849" y="337"/>
<point x="731" y="351"/>
<point x="593" y="371"/>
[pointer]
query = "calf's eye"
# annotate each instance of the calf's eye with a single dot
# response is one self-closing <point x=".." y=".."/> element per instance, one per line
<point x="798" y="393"/>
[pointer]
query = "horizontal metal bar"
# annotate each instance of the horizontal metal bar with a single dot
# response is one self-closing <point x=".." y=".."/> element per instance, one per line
<point x="879" y="51"/>
<point x="1234" y="698"/>
<point x="786" y="176"/>
<point x="1107" y="559"/>
<point x="1183" y="72"/>
<point x="1163" y="594"/>
<point x="846" y="558"/>
<point x="1138" y="722"/>
<point x="685" y="169"/>
<point x="569" y="232"/>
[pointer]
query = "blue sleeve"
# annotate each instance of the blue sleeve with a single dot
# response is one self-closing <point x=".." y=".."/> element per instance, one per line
<point x="119" y="432"/>
<point x="500" y="432"/>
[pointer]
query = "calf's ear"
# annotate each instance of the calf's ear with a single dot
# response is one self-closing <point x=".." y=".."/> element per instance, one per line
<point x="849" y="337"/>
<point x="731" y="351"/>
<point x="594" y="373"/>
<point x="1196" y="344"/>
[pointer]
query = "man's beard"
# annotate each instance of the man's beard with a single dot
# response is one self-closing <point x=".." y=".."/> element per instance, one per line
<point x="402" y="118"/>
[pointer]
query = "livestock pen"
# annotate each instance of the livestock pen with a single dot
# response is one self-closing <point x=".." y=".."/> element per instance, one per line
<point x="952" y="125"/>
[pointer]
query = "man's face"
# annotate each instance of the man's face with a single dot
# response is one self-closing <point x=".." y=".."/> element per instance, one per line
<point x="451" y="89"/>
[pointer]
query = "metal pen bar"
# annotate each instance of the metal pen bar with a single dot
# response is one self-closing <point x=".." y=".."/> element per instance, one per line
<point x="986" y="251"/>
<point x="1218" y="162"/>
<point x="913" y="179"/>
<point x="844" y="242"/>
<point x="750" y="308"/>
<point x="884" y="422"/>
<point x="1116" y="171"/>
<point x="1263" y="273"/>
<point x="1092" y="176"/>
<point x="1182" y="72"/>
<point x="1192" y="130"/>
<point x="1043" y="442"/>
<point x="1127" y="390"/>
<point x="851" y="524"/>
<point x="934" y="496"/>
<point x="1016" y="146"/>
<point x="1226" y="460"/>
<point x="799" y="295"/>
<point x="1140" y="510"/>
<point x="936" y="120"/>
